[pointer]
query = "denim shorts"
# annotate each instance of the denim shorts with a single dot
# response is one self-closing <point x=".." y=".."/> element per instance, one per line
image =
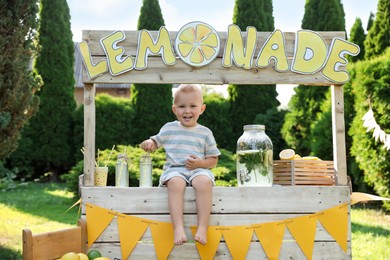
<point x="187" y="175"/>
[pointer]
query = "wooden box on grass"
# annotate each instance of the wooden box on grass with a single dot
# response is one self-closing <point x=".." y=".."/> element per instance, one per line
<point x="304" y="172"/>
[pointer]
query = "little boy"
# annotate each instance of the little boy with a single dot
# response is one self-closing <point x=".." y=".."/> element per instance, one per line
<point x="191" y="151"/>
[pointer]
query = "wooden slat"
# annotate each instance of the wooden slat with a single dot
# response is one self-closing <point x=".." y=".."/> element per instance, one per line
<point x="338" y="133"/>
<point x="89" y="134"/>
<point x="289" y="250"/>
<point x="240" y="200"/>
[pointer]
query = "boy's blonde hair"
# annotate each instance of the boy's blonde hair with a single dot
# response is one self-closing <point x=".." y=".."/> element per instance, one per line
<point x="187" y="88"/>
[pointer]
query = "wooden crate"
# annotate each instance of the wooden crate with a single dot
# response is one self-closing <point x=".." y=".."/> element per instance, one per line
<point x="304" y="172"/>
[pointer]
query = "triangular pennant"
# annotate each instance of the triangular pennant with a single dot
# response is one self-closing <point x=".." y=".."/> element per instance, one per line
<point x="162" y="234"/>
<point x="359" y="197"/>
<point x="208" y="250"/>
<point x="305" y="239"/>
<point x="335" y="221"/>
<point x="238" y="240"/>
<point x="270" y="236"/>
<point x="97" y="220"/>
<point x="131" y="230"/>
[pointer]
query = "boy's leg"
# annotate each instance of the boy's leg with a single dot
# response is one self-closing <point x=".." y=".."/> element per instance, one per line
<point x="176" y="187"/>
<point x="203" y="190"/>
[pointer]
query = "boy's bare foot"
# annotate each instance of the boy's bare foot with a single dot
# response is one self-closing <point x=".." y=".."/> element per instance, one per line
<point x="201" y="235"/>
<point x="180" y="236"/>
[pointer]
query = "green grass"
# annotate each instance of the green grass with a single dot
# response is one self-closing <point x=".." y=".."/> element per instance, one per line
<point x="41" y="208"/>
<point x="36" y="206"/>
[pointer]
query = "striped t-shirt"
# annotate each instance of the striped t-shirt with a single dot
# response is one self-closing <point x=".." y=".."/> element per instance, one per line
<point x="179" y="142"/>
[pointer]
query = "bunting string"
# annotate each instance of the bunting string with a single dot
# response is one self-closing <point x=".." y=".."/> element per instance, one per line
<point x="379" y="135"/>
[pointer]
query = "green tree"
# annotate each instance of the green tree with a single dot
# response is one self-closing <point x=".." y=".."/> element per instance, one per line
<point x="371" y="90"/>
<point x="18" y="84"/>
<point x="378" y="37"/>
<point x="370" y="22"/>
<point x="246" y="101"/>
<point x="51" y="129"/>
<point x="152" y="102"/>
<point x="357" y="36"/>
<point x="320" y="15"/>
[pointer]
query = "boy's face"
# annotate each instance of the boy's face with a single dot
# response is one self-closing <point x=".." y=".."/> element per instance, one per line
<point x="188" y="107"/>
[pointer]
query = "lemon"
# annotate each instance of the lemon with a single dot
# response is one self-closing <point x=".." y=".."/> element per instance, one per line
<point x="287" y="154"/>
<point x="70" y="256"/>
<point x="83" y="256"/>
<point x="311" y="158"/>
<point x="197" y="43"/>
<point x="93" y="254"/>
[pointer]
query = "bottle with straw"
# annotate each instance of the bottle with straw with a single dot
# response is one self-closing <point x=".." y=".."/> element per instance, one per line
<point x="122" y="171"/>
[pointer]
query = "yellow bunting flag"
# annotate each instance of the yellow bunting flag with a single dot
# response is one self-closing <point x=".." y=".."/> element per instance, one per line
<point x="238" y="240"/>
<point x="214" y="235"/>
<point x="270" y="236"/>
<point x="131" y="230"/>
<point x="97" y="220"/>
<point x="303" y="229"/>
<point x="335" y="221"/>
<point x="162" y="234"/>
<point x="359" y="197"/>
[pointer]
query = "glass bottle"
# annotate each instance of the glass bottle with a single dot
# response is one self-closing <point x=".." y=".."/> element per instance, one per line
<point x="145" y="171"/>
<point x="254" y="158"/>
<point x="122" y="171"/>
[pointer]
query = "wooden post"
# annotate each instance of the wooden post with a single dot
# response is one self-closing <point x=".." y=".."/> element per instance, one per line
<point x="338" y="132"/>
<point x="89" y="134"/>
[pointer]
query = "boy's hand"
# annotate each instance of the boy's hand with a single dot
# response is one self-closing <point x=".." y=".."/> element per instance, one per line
<point x="148" y="145"/>
<point x="193" y="162"/>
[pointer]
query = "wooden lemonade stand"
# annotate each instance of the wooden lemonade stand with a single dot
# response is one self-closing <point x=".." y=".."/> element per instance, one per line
<point x="232" y="206"/>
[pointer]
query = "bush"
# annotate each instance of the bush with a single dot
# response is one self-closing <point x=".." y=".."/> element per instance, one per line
<point x="224" y="172"/>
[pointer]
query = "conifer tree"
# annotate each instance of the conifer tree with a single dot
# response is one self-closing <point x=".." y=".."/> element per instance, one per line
<point x="378" y="37"/>
<point x="370" y="22"/>
<point x="18" y="84"/>
<point x="246" y="101"/>
<point x="320" y="15"/>
<point x="357" y="36"/>
<point x="50" y="130"/>
<point x="152" y="102"/>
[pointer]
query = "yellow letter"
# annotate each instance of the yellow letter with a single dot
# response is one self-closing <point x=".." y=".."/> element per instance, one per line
<point x="161" y="45"/>
<point x="116" y="63"/>
<point x="92" y="69"/>
<point x="273" y="48"/>
<point x="336" y="59"/>
<point x="234" y="47"/>
<point x="310" y="52"/>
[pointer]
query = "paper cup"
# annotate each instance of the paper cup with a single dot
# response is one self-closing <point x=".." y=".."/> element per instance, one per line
<point x="101" y="176"/>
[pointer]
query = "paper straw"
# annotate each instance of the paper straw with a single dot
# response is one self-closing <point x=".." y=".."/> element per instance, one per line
<point x="109" y="156"/>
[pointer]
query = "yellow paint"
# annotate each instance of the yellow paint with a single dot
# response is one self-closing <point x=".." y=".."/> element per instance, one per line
<point x="310" y="52"/>
<point x="161" y="46"/>
<point x="93" y="70"/>
<point x="273" y="49"/>
<point x="116" y="62"/>
<point x="336" y="60"/>
<point x="234" y="47"/>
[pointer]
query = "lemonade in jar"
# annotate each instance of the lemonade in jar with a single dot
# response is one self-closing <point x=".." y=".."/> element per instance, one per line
<point x="254" y="157"/>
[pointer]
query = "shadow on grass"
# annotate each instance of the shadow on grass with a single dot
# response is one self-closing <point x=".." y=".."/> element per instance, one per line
<point x="9" y="254"/>
<point x="38" y="199"/>
<point x="366" y="229"/>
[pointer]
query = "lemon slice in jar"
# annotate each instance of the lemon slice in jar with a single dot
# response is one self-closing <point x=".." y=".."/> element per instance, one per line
<point x="287" y="154"/>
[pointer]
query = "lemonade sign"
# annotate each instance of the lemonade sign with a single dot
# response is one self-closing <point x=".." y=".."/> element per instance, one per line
<point x="198" y="44"/>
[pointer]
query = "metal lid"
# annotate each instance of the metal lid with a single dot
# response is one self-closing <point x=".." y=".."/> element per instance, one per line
<point x="254" y="127"/>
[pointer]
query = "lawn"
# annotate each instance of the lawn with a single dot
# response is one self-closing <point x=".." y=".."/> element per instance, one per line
<point x="41" y="208"/>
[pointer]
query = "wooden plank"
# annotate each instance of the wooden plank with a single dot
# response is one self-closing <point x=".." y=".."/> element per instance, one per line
<point x="130" y="44"/>
<point x="338" y="133"/>
<point x="287" y="199"/>
<point x="289" y="250"/>
<point x="89" y="134"/>
<point x="110" y="234"/>
<point x="214" y="73"/>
